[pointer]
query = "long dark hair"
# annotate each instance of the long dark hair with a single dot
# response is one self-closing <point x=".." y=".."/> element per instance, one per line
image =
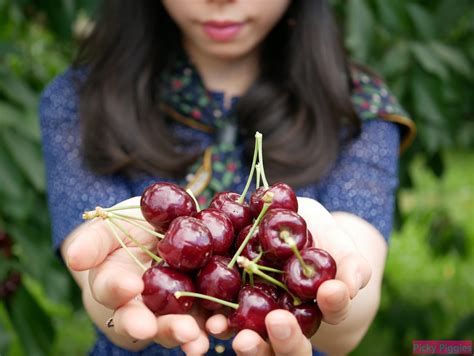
<point x="300" y="101"/>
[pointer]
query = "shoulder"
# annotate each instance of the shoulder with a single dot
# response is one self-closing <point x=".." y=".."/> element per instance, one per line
<point x="60" y="98"/>
<point x="372" y="99"/>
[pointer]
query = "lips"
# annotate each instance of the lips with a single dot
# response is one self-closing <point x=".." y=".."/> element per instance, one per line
<point x="222" y="31"/>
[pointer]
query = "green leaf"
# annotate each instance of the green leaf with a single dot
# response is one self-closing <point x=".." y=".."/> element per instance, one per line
<point x="9" y="115"/>
<point x="452" y="57"/>
<point x="422" y="20"/>
<point x="28" y="157"/>
<point x="11" y="179"/>
<point x="360" y="28"/>
<point x="17" y="91"/>
<point x="429" y="60"/>
<point x="425" y="105"/>
<point x="33" y="325"/>
<point x="396" y="59"/>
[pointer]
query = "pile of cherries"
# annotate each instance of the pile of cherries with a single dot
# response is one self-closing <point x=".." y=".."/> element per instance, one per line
<point x="252" y="257"/>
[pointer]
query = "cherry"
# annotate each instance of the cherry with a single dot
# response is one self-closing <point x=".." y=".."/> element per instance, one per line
<point x="306" y="284"/>
<point x="187" y="244"/>
<point x="221" y="229"/>
<point x="253" y="249"/>
<point x="307" y="315"/>
<point x="283" y="197"/>
<point x="309" y="240"/>
<point x="161" y="282"/>
<point x="162" y="202"/>
<point x="254" y="305"/>
<point x="267" y="288"/>
<point x="238" y="213"/>
<point x="217" y="280"/>
<point x="279" y="228"/>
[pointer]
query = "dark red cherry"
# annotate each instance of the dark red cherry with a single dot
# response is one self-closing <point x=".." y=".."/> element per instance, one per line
<point x="217" y="280"/>
<point x="307" y="314"/>
<point x="254" y="305"/>
<point x="283" y="197"/>
<point x="161" y="282"/>
<point x="221" y="229"/>
<point x="187" y="244"/>
<point x="269" y="289"/>
<point x="162" y="202"/>
<point x="305" y="287"/>
<point x="309" y="240"/>
<point x="239" y="214"/>
<point x="253" y="248"/>
<point x="276" y="224"/>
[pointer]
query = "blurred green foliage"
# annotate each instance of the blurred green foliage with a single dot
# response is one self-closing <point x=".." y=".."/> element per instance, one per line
<point x="425" y="51"/>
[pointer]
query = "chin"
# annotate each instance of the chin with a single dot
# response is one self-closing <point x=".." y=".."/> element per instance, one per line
<point x="229" y="52"/>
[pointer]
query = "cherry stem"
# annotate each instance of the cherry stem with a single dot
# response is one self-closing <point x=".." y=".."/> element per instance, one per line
<point x="125" y="207"/>
<point x="270" y="269"/>
<point x="134" y="258"/>
<point x="260" y="161"/>
<point x="206" y="297"/>
<point x="150" y="231"/>
<point x="190" y="192"/>
<point x="252" y="268"/>
<point x="258" y="172"/>
<point x="136" y="242"/>
<point x="130" y="217"/>
<point x="307" y="270"/>
<point x="257" y="221"/>
<point x="258" y="138"/>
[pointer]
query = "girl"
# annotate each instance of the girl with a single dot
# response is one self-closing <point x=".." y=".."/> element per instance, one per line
<point x="175" y="90"/>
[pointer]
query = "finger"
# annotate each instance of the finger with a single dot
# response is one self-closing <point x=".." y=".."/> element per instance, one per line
<point x="354" y="271"/>
<point x="285" y="334"/>
<point x="333" y="301"/>
<point x="176" y="330"/>
<point x="115" y="283"/>
<point x="200" y="346"/>
<point x="249" y="343"/>
<point x="218" y="326"/>
<point x="135" y="320"/>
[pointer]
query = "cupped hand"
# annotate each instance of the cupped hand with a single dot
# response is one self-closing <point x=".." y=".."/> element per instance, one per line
<point x="115" y="282"/>
<point x="334" y="296"/>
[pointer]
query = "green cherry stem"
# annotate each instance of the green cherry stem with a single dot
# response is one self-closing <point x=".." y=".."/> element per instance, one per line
<point x="258" y="138"/>
<point x="136" y="242"/>
<point x="129" y="217"/>
<point x="256" y="223"/>
<point x="260" y="161"/>
<point x="307" y="270"/>
<point x="150" y="231"/>
<point x="125" y="207"/>
<point x="252" y="268"/>
<point x="115" y="233"/>
<point x="206" y="297"/>
<point x="258" y="172"/>
<point x="270" y="269"/>
<point x="190" y="192"/>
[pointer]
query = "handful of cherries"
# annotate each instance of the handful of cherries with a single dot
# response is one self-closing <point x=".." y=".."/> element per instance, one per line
<point x="257" y="253"/>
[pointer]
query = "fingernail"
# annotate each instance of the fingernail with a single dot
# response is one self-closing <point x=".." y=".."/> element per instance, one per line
<point x="280" y="331"/>
<point x="249" y="352"/>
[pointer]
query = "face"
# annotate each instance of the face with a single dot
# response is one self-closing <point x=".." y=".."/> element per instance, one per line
<point x="225" y="29"/>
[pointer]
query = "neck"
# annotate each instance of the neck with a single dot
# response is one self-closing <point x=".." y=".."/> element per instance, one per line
<point x="231" y="76"/>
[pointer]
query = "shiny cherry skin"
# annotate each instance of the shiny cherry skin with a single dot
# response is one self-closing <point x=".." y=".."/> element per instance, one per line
<point x="162" y="202"/>
<point x="309" y="240"/>
<point x="187" y="244"/>
<point x="305" y="287"/>
<point x="217" y="280"/>
<point x="253" y="248"/>
<point x="161" y="282"/>
<point x="221" y="229"/>
<point x="254" y="305"/>
<point x="307" y="314"/>
<point x="269" y="289"/>
<point x="276" y="223"/>
<point x="283" y="197"/>
<point x="239" y="214"/>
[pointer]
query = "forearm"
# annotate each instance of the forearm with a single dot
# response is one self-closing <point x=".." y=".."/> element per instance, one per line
<point x="342" y="338"/>
<point x="98" y="313"/>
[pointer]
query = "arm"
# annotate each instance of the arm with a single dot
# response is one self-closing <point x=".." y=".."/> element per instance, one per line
<point x="108" y="280"/>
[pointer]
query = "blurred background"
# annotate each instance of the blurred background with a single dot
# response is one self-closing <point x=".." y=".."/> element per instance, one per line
<point x="425" y="51"/>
